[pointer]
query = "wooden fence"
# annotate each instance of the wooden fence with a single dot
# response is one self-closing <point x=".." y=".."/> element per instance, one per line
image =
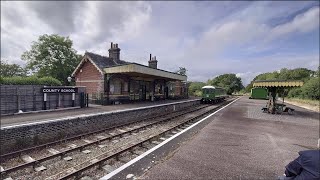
<point x="15" y="98"/>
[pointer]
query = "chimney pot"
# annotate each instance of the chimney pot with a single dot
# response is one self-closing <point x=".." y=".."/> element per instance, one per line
<point x="114" y="52"/>
<point x="153" y="62"/>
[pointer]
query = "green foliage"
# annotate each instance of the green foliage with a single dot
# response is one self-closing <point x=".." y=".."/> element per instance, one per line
<point x="52" y="55"/>
<point x="195" y="88"/>
<point x="31" y="80"/>
<point x="302" y="74"/>
<point x="230" y="82"/>
<point x="182" y="71"/>
<point x="296" y="92"/>
<point x="9" y="70"/>
<point x="311" y="89"/>
<point x="47" y="80"/>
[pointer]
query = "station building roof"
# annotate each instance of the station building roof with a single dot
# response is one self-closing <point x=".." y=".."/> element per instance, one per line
<point x="277" y="83"/>
<point x="108" y="65"/>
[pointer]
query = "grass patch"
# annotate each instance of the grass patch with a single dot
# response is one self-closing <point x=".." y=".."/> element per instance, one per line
<point x="314" y="104"/>
<point x="305" y="101"/>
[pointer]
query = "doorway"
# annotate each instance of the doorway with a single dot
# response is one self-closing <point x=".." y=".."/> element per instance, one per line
<point x="142" y="93"/>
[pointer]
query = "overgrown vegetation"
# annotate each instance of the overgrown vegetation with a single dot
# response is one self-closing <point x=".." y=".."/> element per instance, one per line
<point x="30" y="80"/>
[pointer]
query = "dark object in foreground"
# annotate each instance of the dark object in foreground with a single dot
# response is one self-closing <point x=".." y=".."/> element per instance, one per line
<point x="304" y="167"/>
<point x="279" y="109"/>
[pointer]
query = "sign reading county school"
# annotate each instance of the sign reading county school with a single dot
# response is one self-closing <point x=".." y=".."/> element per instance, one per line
<point x="59" y="90"/>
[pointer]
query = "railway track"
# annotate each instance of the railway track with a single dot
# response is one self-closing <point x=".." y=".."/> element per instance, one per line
<point x="122" y="140"/>
<point x="33" y="163"/>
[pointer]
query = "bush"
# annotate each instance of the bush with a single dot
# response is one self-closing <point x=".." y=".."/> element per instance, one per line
<point x="31" y="80"/>
<point x="198" y="93"/>
<point x="47" y="80"/>
<point x="296" y="92"/>
<point x="311" y="89"/>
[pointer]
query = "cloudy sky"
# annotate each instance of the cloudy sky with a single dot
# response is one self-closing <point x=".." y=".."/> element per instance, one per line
<point x="208" y="38"/>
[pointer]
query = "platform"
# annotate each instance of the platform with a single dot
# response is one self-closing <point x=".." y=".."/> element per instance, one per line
<point x="238" y="142"/>
<point x="19" y="119"/>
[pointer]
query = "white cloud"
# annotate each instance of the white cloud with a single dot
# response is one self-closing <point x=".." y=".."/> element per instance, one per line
<point x="253" y="67"/>
<point x="95" y="24"/>
<point x="247" y="77"/>
<point x="302" y="23"/>
<point x="204" y="37"/>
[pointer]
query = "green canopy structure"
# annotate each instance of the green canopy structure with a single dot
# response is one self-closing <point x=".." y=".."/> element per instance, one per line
<point x="273" y="87"/>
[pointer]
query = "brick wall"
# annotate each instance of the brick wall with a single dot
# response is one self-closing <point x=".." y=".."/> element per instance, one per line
<point x="178" y="86"/>
<point x="90" y="77"/>
<point x="31" y="135"/>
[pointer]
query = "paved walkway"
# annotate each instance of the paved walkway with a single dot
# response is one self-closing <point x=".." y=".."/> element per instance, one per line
<point x="241" y="142"/>
<point x="43" y="116"/>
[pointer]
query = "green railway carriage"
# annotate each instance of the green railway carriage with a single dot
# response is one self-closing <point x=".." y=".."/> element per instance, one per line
<point x="259" y="93"/>
<point x="211" y="94"/>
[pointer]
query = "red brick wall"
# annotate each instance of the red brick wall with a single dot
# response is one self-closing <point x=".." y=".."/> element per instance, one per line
<point x="178" y="86"/>
<point x="90" y="77"/>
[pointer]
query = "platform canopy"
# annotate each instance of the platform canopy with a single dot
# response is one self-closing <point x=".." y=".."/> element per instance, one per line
<point x="277" y="83"/>
<point x="143" y="71"/>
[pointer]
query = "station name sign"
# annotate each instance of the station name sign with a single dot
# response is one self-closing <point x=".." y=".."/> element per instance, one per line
<point x="59" y="90"/>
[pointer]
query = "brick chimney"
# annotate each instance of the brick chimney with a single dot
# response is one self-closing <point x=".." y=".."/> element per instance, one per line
<point x="114" y="52"/>
<point x="153" y="63"/>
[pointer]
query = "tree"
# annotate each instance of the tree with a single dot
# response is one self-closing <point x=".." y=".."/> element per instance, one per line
<point x="302" y="74"/>
<point x="182" y="71"/>
<point x="9" y="70"/>
<point x="52" y="55"/>
<point x="230" y="82"/>
<point x="195" y="88"/>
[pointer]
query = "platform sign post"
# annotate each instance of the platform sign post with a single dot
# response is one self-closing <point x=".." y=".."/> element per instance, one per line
<point x="58" y="90"/>
<point x="73" y="97"/>
<point x="44" y="101"/>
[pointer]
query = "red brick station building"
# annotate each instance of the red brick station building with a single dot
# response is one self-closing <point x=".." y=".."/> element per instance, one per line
<point x="109" y="80"/>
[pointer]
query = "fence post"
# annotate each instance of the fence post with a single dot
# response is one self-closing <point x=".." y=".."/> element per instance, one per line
<point x="82" y="99"/>
<point x="34" y="99"/>
<point x="18" y="100"/>
<point x="58" y="104"/>
<point x="87" y="99"/>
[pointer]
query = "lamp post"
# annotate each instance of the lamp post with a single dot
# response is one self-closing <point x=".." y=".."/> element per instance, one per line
<point x="69" y="80"/>
<point x="73" y="94"/>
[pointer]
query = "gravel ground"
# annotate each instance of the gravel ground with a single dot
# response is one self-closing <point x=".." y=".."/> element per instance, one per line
<point x="301" y="116"/>
<point x="241" y="142"/>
